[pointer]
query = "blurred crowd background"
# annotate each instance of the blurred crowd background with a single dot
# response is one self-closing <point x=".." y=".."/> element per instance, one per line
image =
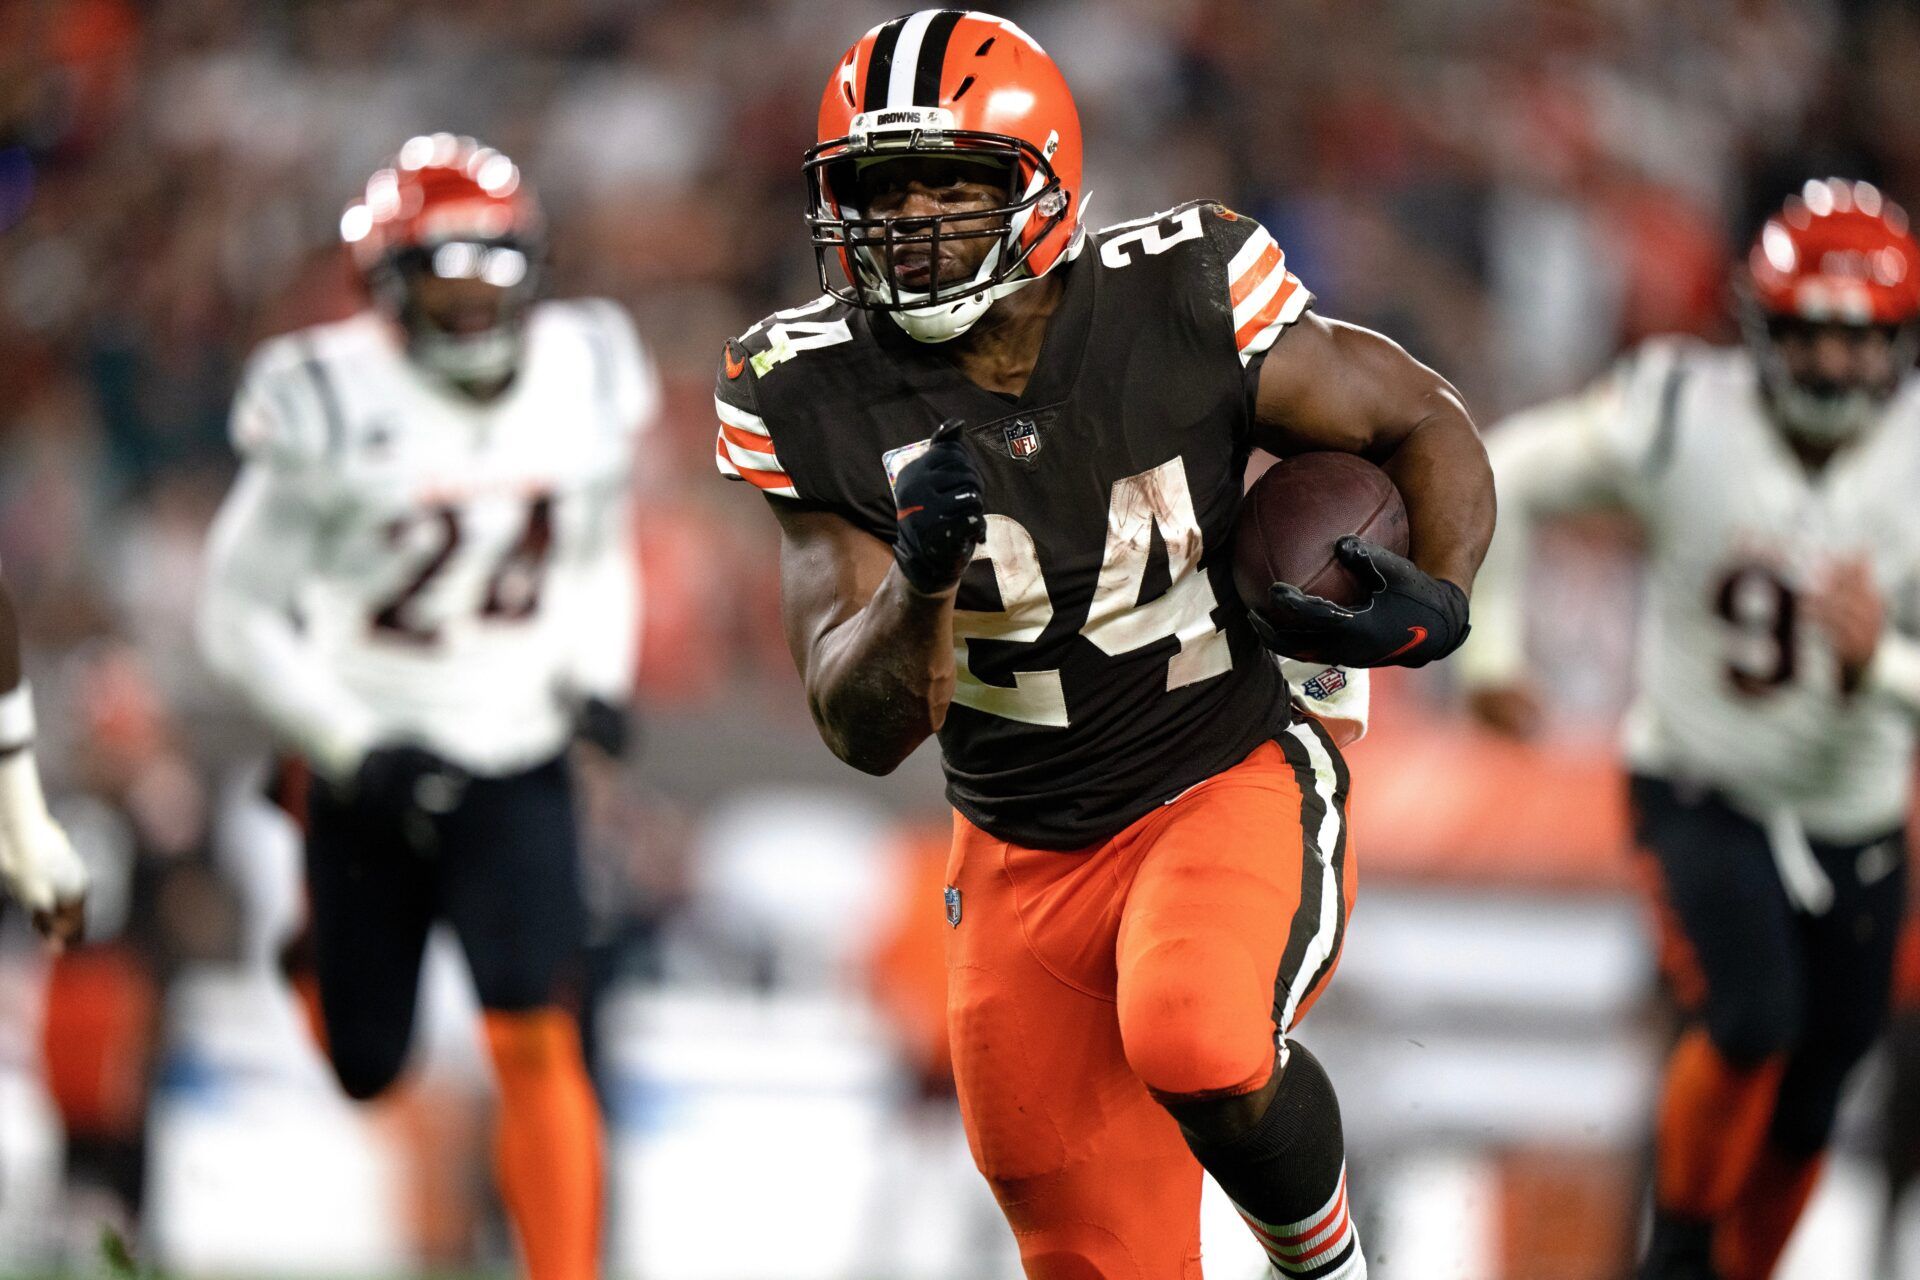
<point x="1514" y="189"/>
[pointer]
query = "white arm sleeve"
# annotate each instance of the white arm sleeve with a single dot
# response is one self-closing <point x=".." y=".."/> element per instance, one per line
<point x="1582" y="452"/>
<point x="602" y="588"/>
<point x="262" y="545"/>
<point x="1895" y="670"/>
<point x="602" y="607"/>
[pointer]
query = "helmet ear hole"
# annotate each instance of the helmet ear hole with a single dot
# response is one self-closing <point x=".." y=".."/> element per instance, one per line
<point x="841" y="181"/>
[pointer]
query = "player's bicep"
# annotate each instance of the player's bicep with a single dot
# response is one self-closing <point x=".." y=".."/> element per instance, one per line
<point x="1552" y="460"/>
<point x="1335" y="386"/>
<point x="260" y="546"/>
<point x="829" y="571"/>
<point x="262" y="540"/>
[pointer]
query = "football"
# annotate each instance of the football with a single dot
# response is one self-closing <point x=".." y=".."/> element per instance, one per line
<point x="1291" y="517"/>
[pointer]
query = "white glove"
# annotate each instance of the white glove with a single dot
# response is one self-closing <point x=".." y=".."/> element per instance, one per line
<point x="37" y="863"/>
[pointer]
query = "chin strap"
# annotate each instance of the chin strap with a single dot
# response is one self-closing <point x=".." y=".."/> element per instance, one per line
<point x="945" y="321"/>
<point x="1823" y="420"/>
<point x="484" y="357"/>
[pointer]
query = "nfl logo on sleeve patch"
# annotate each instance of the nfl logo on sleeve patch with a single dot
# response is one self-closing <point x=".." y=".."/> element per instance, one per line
<point x="953" y="907"/>
<point x="1326" y="684"/>
<point x="1023" y="438"/>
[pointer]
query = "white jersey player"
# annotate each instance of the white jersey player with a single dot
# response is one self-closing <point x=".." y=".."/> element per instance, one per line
<point x="1771" y="742"/>
<point x="1739" y="687"/>
<point x="424" y="581"/>
<point x="400" y="564"/>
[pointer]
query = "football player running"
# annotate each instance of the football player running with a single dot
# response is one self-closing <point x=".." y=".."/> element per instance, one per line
<point x="1005" y="454"/>
<point x="423" y="581"/>
<point x="1771" y="744"/>
<point x="38" y="868"/>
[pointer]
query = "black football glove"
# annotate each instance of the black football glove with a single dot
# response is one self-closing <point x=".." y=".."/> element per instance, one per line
<point x="404" y="778"/>
<point x="1412" y="619"/>
<point x="940" y="512"/>
<point x="606" y="726"/>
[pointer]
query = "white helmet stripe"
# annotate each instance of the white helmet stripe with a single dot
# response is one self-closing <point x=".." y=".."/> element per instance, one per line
<point x="906" y="58"/>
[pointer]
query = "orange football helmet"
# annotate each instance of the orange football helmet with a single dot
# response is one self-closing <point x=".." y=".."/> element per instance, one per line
<point x="941" y="83"/>
<point x="446" y="206"/>
<point x="1838" y="254"/>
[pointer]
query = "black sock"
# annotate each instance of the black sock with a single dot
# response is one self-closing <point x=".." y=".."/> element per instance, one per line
<point x="1288" y="1176"/>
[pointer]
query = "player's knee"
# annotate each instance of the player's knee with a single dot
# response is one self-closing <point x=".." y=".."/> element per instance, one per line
<point x="365" y="1071"/>
<point x="1847" y="1029"/>
<point x="1750" y="1032"/>
<point x="532" y="1044"/>
<point x="525" y="975"/>
<point x="1804" y="1118"/>
<point x="1188" y="1031"/>
<point x="1809" y="1101"/>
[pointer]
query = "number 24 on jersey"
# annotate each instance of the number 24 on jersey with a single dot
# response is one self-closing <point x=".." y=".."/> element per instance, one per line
<point x="1116" y="622"/>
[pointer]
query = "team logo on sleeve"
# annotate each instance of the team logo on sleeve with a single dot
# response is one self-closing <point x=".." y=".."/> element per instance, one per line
<point x="1023" y="438"/>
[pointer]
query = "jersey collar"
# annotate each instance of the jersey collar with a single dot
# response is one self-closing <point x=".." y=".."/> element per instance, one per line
<point x="1062" y="352"/>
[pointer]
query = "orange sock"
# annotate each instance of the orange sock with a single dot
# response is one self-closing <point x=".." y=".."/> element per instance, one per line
<point x="548" y="1151"/>
<point x="1750" y="1239"/>
<point x="1713" y="1122"/>
<point x="306" y="993"/>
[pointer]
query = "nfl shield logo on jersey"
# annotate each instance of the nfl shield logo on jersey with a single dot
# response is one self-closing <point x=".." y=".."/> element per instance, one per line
<point x="953" y="906"/>
<point x="1023" y="438"/>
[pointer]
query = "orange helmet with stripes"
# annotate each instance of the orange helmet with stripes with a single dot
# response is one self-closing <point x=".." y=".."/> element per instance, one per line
<point x="1838" y="255"/>
<point x="1838" y="252"/>
<point x="945" y="83"/>
<point x="449" y="207"/>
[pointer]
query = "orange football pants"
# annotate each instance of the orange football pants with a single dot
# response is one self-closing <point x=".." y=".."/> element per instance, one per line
<point x="1162" y="964"/>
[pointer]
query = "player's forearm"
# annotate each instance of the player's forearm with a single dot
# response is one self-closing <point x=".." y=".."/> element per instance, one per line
<point x="1495" y="652"/>
<point x="1545" y="463"/>
<point x="880" y="683"/>
<point x="1441" y="469"/>
<point x="259" y="652"/>
<point x="37" y="865"/>
<point x="22" y="804"/>
<point x="1894" y="672"/>
<point x="261" y="545"/>
<point x="605" y="606"/>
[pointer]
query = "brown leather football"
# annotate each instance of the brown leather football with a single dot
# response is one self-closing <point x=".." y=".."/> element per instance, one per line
<point x="1292" y="516"/>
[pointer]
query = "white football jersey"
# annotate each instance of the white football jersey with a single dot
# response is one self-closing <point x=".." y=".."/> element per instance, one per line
<point x="399" y="562"/>
<point x="1738" y="689"/>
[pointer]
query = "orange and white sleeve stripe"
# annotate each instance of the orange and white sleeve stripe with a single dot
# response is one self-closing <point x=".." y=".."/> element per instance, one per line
<point x="1266" y="296"/>
<point x="744" y="451"/>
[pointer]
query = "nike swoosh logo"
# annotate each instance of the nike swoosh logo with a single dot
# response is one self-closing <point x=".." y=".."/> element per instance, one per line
<point x="1419" y="635"/>
<point x="734" y="367"/>
<point x="902" y="515"/>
